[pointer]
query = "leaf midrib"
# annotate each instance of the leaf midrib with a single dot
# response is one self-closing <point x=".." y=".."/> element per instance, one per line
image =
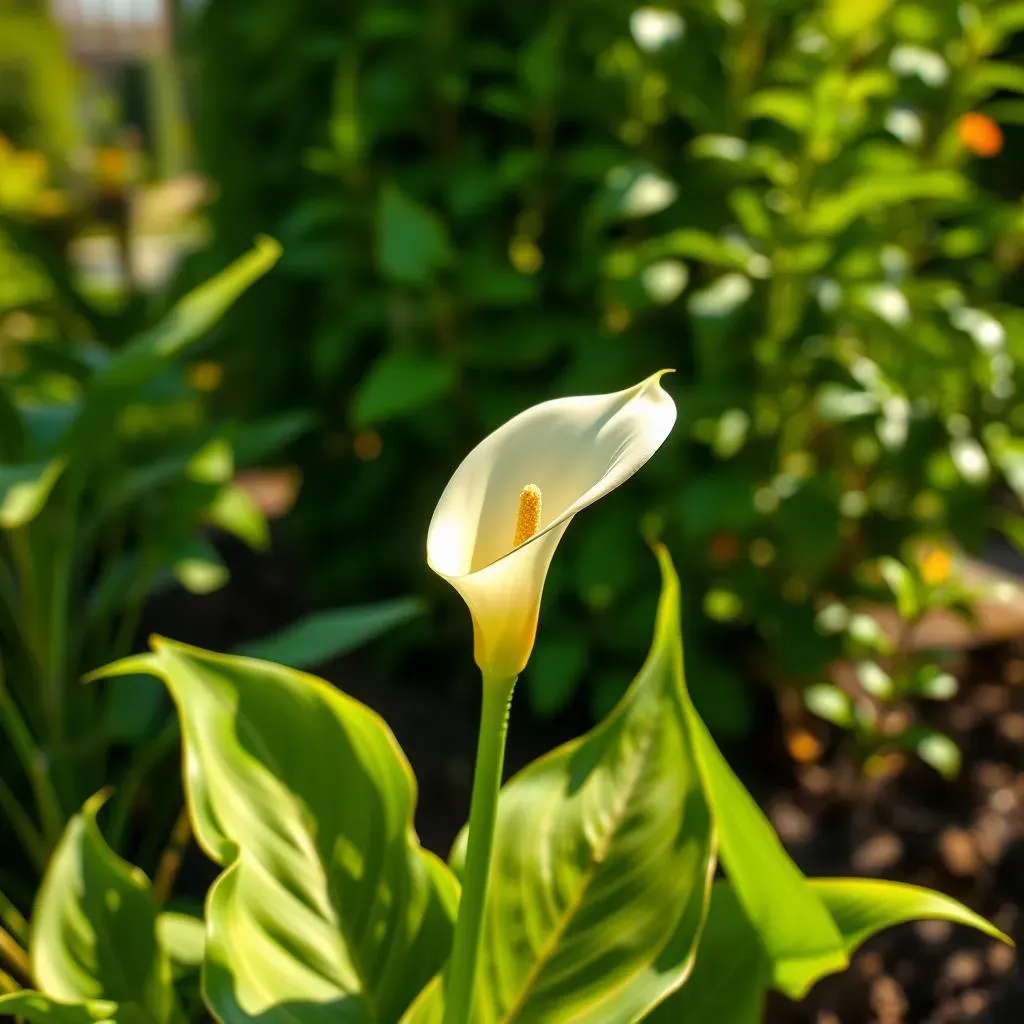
<point x="274" y="764"/>
<point x="593" y="865"/>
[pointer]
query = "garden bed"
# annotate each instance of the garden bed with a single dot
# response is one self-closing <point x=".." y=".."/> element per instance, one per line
<point x="965" y="838"/>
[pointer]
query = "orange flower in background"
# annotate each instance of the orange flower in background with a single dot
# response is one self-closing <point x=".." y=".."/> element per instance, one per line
<point x="980" y="134"/>
<point x="935" y="566"/>
<point x="725" y="548"/>
<point x="803" y="747"/>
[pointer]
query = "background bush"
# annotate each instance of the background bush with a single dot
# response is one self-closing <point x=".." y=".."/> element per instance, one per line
<point x="497" y="204"/>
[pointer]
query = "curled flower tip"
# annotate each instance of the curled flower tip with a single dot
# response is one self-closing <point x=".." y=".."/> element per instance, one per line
<point x="528" y="519"/>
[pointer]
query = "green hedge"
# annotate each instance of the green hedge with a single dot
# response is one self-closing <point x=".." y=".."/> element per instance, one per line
<point x="483" y="205"/>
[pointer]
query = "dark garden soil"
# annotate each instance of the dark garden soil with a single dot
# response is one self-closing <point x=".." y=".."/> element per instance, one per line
<point x="965" y="838"/>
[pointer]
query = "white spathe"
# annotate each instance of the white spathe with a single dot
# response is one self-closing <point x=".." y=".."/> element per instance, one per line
<point x="576" y="450"/>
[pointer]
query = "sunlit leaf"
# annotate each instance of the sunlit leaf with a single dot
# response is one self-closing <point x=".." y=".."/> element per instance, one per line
<point x="182" y="937"/>
<point x="94" y="926"/>
<point x="847" y="18"/>
<point x="934" y="748"/>
<point x="235" y="512"/>
<point x="900" y="581"/>
<point x="329" y="909"/>
<point x="42" y="1009"/>
<point x="830" y="703"/>
<point x="24" y="490"/>
<point x="602" y="861"/>
<point x="862" y="907"/>
<point x="732" y="975"/>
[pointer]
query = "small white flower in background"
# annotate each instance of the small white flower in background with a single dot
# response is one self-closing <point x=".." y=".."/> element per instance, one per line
<point x="865" y="371"/>
<point x="829" y="294"/>
<point x="987" y="332"/>
<point x="970" y="459"/>
<point x="893" y="429"/>
<point x="894" y="262"/>
<point x="853" y="504"/>
<point x="653" y="27"/>
<point x="725" y="147"/>
<point x="874" y="679"/>
<point x="721" y="297"/>
<point x="810" y="40"/>
<point x="759" y="266"/>
<point x="927" y="65"/>
<point x="665" y="280"/>
<point x="958" y="425"/>
<point x="506" y="507"/>
<point x="731" y="433"/>
<point x="889" y="303"/>
<point x="730" y="11"/>
<point x="649" y="193"/>
<point x="905" y="125"/>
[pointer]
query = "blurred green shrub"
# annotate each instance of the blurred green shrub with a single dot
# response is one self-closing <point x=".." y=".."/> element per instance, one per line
<point x="110" y="473"/>
<point x="485" y="205"/>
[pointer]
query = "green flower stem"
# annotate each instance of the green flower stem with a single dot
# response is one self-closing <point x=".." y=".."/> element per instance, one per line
<point x="490" y="760"/>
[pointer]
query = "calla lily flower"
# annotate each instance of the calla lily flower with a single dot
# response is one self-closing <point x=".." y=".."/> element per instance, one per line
<point x="499" y="520"/>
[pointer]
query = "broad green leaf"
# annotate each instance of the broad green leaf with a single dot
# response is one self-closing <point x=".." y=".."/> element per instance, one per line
<point x="400" y="383"/>
<point x="325" y="635"/>
<point x="603" y="858"/>
<point x="24" y="491"/>
<point x="329" y="909"/>
<point x="182" y="937"/>
<point x="733" y="972"/>
<point x="94" y="926"/>
<point x="900" y="581"/>
<point x="862" y="907"/>
<point x="411" y="240"/>
<point x="42" y="1009"/>
<point x="235" y="511"/>
<point x="731" y="976"/>
<point x="795" y="928"/>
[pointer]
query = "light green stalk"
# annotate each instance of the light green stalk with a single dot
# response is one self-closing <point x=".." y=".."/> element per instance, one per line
<point x="490" y="760"/>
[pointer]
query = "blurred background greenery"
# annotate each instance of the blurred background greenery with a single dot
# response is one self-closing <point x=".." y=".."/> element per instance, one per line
<point x="811" y="210"/>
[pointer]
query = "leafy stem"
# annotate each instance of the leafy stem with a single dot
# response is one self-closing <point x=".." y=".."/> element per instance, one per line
<point x="33" y="760"/>
<point x="490" y="760"/>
